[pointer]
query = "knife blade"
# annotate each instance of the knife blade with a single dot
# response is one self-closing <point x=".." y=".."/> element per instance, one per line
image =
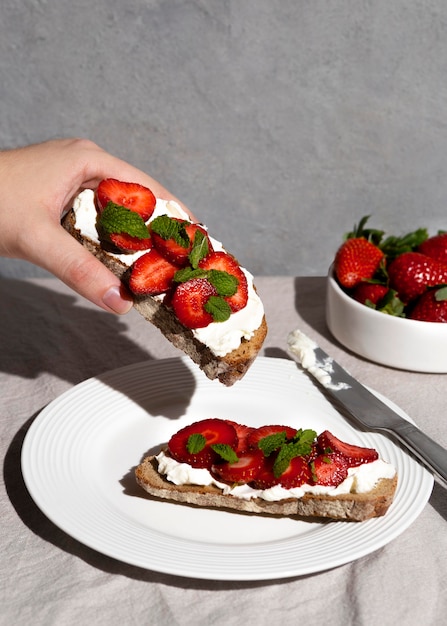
<point x="363" y="406"/>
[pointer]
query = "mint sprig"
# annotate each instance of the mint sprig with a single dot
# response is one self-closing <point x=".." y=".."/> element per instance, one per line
<point x="287" y="449"/>
<point x="218" y="308"/>
<point x="118" y="219"/>
<point x="272" y="442"/>
<point x="168" y="228"/>
<point x="226" y="452"/>
<point x="200" y="249"/>
<point x="195" y="444"/>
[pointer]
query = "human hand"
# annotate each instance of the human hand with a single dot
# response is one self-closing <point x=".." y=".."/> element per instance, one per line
<point x="39" y="183"/>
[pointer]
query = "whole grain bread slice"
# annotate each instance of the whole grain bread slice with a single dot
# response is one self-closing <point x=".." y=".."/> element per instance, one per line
<point x="227" y="369"/>
<point x="347" y="507"/>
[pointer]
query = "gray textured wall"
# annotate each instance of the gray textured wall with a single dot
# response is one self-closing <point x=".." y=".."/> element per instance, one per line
<point x="279" y="122"/>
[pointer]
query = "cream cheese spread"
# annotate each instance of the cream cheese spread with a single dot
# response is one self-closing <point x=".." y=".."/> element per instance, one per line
<point x="303" y="348"/>
<point x="221" y="338"/>
<point x="360" y="479"/>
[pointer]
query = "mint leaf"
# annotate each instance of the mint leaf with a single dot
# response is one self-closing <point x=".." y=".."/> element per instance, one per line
<point x="117" y="219"/>
<point x="186" y="273"/>
<point x="305" y="439"/>
<point x="225" y="283"/>
<point x="225" y="451"/>
<point x="301" y="445"/>
<point x="272" y="442"/>
<point x="170" y="228"/>
<point x="200" y="248"/>
<point x="218" y="308"/>
<point x="196" y="442"/>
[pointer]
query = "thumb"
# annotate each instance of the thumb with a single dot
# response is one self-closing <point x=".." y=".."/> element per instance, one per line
<point x="68" y="260"/>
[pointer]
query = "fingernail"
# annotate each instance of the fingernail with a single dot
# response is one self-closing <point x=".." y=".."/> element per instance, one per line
<point x="116" y="299"/>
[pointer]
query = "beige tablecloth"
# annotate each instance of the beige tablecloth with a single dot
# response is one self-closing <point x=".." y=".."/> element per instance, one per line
<point x="51" y="340"/>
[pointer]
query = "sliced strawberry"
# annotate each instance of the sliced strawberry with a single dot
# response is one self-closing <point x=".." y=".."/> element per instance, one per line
<point x="151" y="274"/>
<point x="224" y="262"/>
<point x="354" y="455"/>
<point x="329" y="469"/>
<point x="265" y="431"/>
<point x="243" y="432"/>
<point x="213" y="430"/>
<point x="130" y="195"/>
<point x="188" y="302"/>
<point x="177" y="251"/>
<point x="127" y="243"/>
<point x="297" y="473"/>
<point x="243" y="471"/>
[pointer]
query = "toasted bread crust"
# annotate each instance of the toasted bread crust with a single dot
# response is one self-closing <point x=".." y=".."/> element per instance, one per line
<point x="347" y="507"/>
<point x="227" y="369"/>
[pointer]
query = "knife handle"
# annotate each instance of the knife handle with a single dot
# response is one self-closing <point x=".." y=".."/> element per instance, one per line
<point x="428" y="451"/>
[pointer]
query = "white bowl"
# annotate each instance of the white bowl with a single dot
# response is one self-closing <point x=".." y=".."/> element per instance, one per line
<point x="393" y="341"/>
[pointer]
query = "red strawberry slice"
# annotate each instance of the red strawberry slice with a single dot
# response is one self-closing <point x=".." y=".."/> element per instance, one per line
<point x="151" y="274"/>
<point x="265" y="431"/>
<point x="224" y="262"/>
<point x="243" y="432"/>
<point x="171" y="249"/>
<point x="297" y="473"/>
<point x="329" y="469"/>
<point x="127" y="243"/>
<point x="354" y="455"/>
<point x="213" y="430"/>
<point x="188" y="302"/>
<point x="130" y="195"/>
<point x="243" y="471"/>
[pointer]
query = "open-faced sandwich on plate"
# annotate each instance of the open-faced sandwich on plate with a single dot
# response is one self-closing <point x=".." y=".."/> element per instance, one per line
<point x="182" y="280"/>
<point x="271" y="470"/>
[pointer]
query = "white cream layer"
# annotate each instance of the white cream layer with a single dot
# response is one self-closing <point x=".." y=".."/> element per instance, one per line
<point x="360" y="479"/>
<point x="221" y="338"/>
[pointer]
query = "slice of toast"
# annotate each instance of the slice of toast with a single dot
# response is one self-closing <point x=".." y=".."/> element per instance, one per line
<point x="228" y="368"/>
<point x="356" y="507"/>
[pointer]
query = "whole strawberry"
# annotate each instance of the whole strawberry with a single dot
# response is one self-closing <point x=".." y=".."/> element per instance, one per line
<point x="369" y="293"/>
<point x="431" y="306"/>
<point x="356" y="260"/>
<point x="412" y="272"/>
<point x="435" y="247"/>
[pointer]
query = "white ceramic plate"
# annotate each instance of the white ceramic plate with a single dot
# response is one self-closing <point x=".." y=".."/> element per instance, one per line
<point x="79" y="454"/>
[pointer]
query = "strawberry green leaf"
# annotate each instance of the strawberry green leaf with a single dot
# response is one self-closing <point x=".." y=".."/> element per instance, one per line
<point x="371" y="234"/>
<point x="441" y="294"/>
<point x="394" y="246"/>
<point x="117" y="219"/>
<point x="390" y="304"/>
<point x="226" y="452"/>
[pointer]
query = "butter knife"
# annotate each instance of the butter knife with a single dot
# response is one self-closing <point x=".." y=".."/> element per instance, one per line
<point x="363" y="406"/>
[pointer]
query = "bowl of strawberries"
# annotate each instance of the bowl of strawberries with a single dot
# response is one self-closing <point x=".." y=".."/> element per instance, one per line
<point x="387" y="298"/>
